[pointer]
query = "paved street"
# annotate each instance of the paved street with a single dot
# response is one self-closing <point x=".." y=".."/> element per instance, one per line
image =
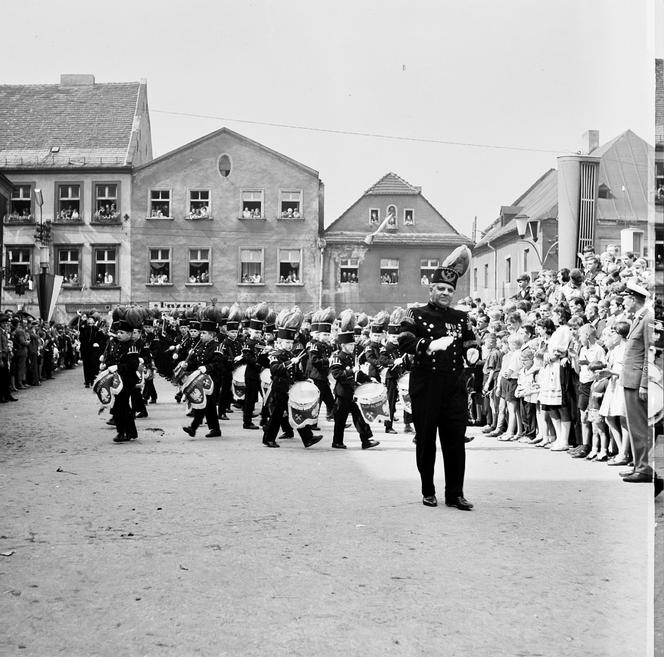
<point x="174" y="546"/>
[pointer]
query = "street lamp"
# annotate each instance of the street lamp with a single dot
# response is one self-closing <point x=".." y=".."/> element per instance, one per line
<point x="528" y="230"/>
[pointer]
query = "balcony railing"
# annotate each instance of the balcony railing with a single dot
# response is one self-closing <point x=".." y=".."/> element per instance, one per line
<point x="114" y="218"/>
<point x="19" y="219"/>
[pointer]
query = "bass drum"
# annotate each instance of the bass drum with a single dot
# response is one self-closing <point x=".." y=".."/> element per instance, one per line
<point x="196" y="388"/>
<point x="404" y="395"/>
<point x="303" y="404"/>
<point x="238" y="382"/>
<point x="371" y="399"/>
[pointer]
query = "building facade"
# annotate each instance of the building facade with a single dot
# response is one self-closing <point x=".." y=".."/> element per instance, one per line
<point x="68" y="150"/>
<point x="659" y="178"/>
<point x="598" y="197"/>
<point x="382" y="251"/>
<point x="225" y="217"/>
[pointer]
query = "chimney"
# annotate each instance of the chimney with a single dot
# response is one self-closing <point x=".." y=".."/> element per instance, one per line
<point x="589" y="141"/>
<point x="76" y="79"/>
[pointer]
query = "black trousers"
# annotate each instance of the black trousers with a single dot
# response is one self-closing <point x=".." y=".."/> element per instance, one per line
<point x="90" y="367"/>
<point x="326" y="396"/>
<point x="5" y="381"/>
<point x="392" y="396"/>
<point x="137" y="401"/>
<point x="440" y="406"/>
<point x="122" y="412"/>
<point x="226" y="391"/>
<point x="149" y="391"/>
<point x="209" y="413"/>
<point x="527" y="410"/>
<point x="277" y="420"/>
<point x="342" y="408"/>
<point x="251" y="389"/>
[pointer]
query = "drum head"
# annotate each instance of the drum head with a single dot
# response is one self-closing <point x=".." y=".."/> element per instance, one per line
<point x="370" y="392"/>
<point x="303" y="392"/>
<point x="238" y="374"/>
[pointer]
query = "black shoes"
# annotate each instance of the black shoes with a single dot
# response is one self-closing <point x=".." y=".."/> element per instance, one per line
<point x="430" y="500"/>
<point x="215" y="433"/>
<point x="286" y="436"/>
<point x="121" y="438"/>
<point x="252" y="426"/>
<point x="223" y="416"/>
<point x="270" y="443"/>
<point x="368" y="444"/>
<point x="190" y="431"/>
<point x="313" y="441"/>
<point x="339" y="445"/>
<point x="141" y="414"/>
<point x="111" y="422"/>
<point x="390" y="430"/>
<point x="459" y="502"/>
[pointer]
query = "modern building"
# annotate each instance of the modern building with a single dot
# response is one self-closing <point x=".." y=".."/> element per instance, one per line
<point x="68" y="150"/>
<point x="225" y="217"/>
<point x="382" y="251"/>
<point x="598" y="197"/>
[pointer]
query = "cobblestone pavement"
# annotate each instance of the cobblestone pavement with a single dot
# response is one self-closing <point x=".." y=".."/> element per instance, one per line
<point x="174" y="546"/>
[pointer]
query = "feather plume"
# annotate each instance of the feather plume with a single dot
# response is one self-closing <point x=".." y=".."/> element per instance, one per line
<point x="279" y="320"/>
<point x="397" y="316"/>
<point x="346" y="320"/>
<point x="293" y="319"/>
<point x="235" y="313"/>
<point x="271" y="318"/>
<point x="327" y="316"/>
<point x="261" y="311"/>
<point x="381" y="318"/>
<point x="458" y="260"/>
<point x="362" y="320"/>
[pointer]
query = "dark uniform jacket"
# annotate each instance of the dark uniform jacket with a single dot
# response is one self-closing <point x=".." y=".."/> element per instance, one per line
<point x="252" y="358"/>
<point x="371" y="355"/>
<point x="341" y="368"/>
<point x="388" y="354"/>
<point x="318" y="363"/>
<point x="283" y="376"/>
<point x="125" y="355"/>
<point x="208" y="355"/>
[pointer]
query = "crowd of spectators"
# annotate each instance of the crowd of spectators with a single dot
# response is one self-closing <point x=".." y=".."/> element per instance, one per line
<point x="201" y="212"/>
<point x="32" y="351"/>
<point x="68" y="214"/>
<point x="560" y="364"/>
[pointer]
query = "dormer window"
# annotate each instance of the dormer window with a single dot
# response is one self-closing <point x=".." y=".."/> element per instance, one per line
<point x="604" y="191"/>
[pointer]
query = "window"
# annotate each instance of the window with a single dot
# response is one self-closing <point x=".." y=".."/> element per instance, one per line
<point x="290" y="261"/>
<point x="291" y="204"/>
<point x="224" y="165"/>
<point x="603" y="191"/>
<point x="106" y="202"/>
<point x="105" y="263"/>
<point x="508" y="270"/>
<point x="20" y="204"/>
<point x="349" y="270"/>
<point x="486" y="276"/>
<point x="19" y="264"/>
<point x="389" y="271"/>
<point x="391" y="215"/>
<point x="409" y="217"/>
<point x="68" y="261"/>
<point x="474" y="278"/>
<point x="659" y="182"/>
<point x="160" y="267"/>
<point x="68" y="203"/>
<point x="251" y="266"/>
<point x="199" y="267"/>
<point x="374" y="216"/>
<point x="252" y="204"/>
<point x="525" y="260"/>
<point x="199" y="204"/>
<point x="659" y="255"/>
<point x="427" y="267"/>
<point x="160" y="203"/>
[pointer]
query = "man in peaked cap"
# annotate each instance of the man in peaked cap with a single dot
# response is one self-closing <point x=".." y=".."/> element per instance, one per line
<point x="439" y="338"/>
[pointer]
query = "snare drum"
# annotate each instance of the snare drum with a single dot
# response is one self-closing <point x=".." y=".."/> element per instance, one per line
<point x="303" y="404"/>
<point x="371" y="399"/>
<point x="404" y="395"/>
<point x="106" y="386"/>
<point x="196" y="388"/>
<point x="238" y="384"/>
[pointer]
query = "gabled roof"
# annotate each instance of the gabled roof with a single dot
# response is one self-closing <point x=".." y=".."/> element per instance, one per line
<point x="623" y="168"/>
<point x="390" y="184"/>
<point x="237" y="135"/>
<point x="539" y="201"/>
<point x="91" y="124"/>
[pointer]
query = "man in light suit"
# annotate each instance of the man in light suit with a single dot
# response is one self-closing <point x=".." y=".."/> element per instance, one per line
<point x="634" y="380"/>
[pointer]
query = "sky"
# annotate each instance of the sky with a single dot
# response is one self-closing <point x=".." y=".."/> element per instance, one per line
<point x="480" y="96"/>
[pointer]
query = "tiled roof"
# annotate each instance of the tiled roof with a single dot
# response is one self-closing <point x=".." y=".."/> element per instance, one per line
<point x="393" y="184"/>
<point x="539" y="201"/>
<point x="89" y="123"/>
<point x="397" y="238"/>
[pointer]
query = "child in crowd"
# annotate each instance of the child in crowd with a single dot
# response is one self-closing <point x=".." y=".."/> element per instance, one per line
<point x="510" y="374"/>
<point x="492" y="362"/>
<point x="526" y="394"/>
<point x="599" y="435"/>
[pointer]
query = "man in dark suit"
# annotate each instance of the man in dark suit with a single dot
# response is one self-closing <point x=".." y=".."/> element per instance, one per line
<point x="523" y="294"/>
<point x="634" y="380"/>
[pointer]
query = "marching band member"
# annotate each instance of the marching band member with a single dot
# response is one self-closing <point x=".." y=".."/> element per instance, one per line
<point x="231" y="353"/>
<point x="370" y="357"/>
<point x="251" y="359"/>
<point x="150" y="344"/>
<point x="122" y="356"/>
<point x="320" y="351"/>
<point x="394" y="365"/>
<point x="439" y="337"/>
<point x="347" y="374"/>
<point x="206" y="357"/>
<point x="144" y="356"/>
<point x="284" y="371"/>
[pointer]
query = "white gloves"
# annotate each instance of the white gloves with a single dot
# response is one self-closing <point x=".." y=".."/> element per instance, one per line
<point x="202" y="369"/>
<point x="113" y="368"/>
